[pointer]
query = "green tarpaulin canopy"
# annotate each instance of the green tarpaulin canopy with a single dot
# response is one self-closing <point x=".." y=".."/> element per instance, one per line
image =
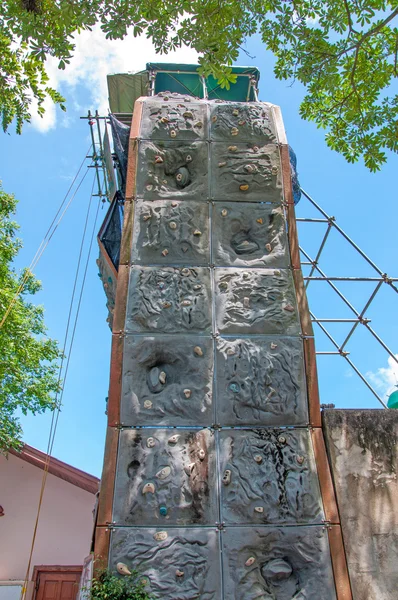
<point x="125" y="88"/>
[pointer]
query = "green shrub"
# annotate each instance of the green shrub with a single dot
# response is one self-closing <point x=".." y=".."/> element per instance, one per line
<point x="108" y="586"/>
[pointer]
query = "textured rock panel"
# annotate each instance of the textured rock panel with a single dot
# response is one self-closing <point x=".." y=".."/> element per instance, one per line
<point x="245" y="172"/>
<point x="268" y="476"/>
<point x="183" y="566"/>
<point x="249" y="235"/>
<point x="165" y="168"/>
<point x="171" y="232"/>
<point x="167" y="380"/>
<point x="266" y="563"/>
<point x="165" y="477"/>
<point x="260" y="381"/>
<point x="255" y="301"/>
<point x="169" y="300"/>
<point x="237" y="122"/>
<point x="174" y="120"/>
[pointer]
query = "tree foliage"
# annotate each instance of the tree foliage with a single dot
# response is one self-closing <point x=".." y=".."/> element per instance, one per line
<point x="107" y="586"/>
<point x="28" y="359"/>
<point x="345" y="52"/>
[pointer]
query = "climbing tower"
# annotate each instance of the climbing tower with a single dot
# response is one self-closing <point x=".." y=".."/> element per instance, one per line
<point x="216" y="483"/>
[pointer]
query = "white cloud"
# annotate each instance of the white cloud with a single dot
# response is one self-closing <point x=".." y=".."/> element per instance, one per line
<point x="94" y="58"/>
<point x="385" y="379"/>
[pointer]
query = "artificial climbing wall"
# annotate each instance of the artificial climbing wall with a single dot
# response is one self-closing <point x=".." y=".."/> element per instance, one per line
<point x="214" y="458"/>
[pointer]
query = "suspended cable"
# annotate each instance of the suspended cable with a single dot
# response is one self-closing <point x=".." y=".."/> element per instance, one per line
<point x="45" y="241"/>
<point x="55" y="415"/>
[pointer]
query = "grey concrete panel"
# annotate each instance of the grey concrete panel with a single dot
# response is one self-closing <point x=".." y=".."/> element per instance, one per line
<point x="183" y="565"/>
<point x="169" y="300"/>
<point x="255" y="301"/>
<point x="363" y="450"/>
<point x="168" y="168"/>
<point x="268" y="477"/>
<point x="166" y="477"/>
<point x="238" y="121"/>
<point x="167" y="380"/>
<point x="249" y="235"/>
<point x="171" y="232"/>
<point x="265" y="563"/>
<point x="174" y="120"/>
<point x="245" y="172"/>
<point x="260" y="381"/>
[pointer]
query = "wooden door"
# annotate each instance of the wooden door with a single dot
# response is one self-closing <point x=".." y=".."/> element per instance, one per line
<point x="62" y="584"/>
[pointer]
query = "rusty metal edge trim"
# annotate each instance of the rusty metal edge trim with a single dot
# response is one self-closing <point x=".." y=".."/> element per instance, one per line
<point x="289" y="204"/>
<point x="302" y="303"/>
<point x="325" y="477"/>
<point x="339" y="563"/>
<point x="102" y="542"/>
<point x="311" y="376"/>
<point x="126" y="241"/>
<point x="105" y="502"/>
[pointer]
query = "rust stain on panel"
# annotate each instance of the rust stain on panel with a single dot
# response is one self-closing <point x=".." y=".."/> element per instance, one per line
<point x="121" y="299"/>
<point x="125" y="246"/>
<point x="101" y="549"/>
<point x="115" y="380"/>
<point x="290" y="212"/>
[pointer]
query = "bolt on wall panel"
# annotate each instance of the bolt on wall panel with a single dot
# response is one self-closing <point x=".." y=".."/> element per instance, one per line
<point x="171" y="232"/>
<point x="260" y="381"/>
<point x="166" y="169"/>
<point x="169" y="300"/>
<point x="268" y="477"/>
<point x="245" y="172"/>
<point x="175" y="564"/>
<point x="277" y="563"/>
<point x="256" y="301"/>
<point x="167" y="380"/>
<point x="174" y="120"/>
<point x="251" y="235"/>
<point x="238" y="121"/>
<point x="166" y="477"/>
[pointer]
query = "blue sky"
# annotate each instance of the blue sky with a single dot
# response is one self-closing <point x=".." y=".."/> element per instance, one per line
<point x="39" y="165"/>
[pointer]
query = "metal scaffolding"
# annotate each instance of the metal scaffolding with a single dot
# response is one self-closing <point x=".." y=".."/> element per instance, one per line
<point x="359" y="318"/>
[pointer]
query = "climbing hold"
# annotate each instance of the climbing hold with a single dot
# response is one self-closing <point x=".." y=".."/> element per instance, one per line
<point x="232" y="148"/>
<point x="173" y="439"/>
<point x="146" y="217"/>
<point x="222" y="164"/>
<point x="259" y="221"/>
<point x="273" y="346"/>
<point x="235" y="112"/>
<point x="282" y="439"/>
<point x="188" y="158"/>
<point x="166" y="304"/>
<point x="163" y="510"/>
<point x="187" y="114"/>
<point x="224" y="212"/>
<point x="187" y="393"/>
<point x="246" y="275"/>
<point x="276" y="569"/>
<point x="274" y="170"/>
<point x="250" y="561"/>
<point x="189" y="468"/>
<point x="244" y="187"/>
<point x="256" y="148"/>
<point x="258" y="458"/>
<point x="230" y="352"/>
<point x="148" y="488"/>
<point x="259" y="509"/>
<point x="234" y="387"/>
<point x="165" y="252"/>
<point x="241" y="122"/>
<point x="246" y="302"/>
<point x="197" y="232"/>
<point x="173" y="133"/>
<point x="147" y="404"/>
<point x="198" y="124"/>
<point x="198" y="351"/>
<point x="277" y="272"/>
<point x="173" y="225"/>
<point x="250" y="168"/>
<point x="268" y="247"/>
<point x="174" y="204"/>
<point x="234" y="131"/>
<point x="122" y="569"/>
<point x="201" y="454"/>
<point x="185" y="272"/>
<point x="162" y="377"/>
<point x="289" y="308"/>
<point x="300" y="459"/>
<point x="150" y="442"/>
<point x="179" y="573"/>
<point x="149" y="187"/>
<point x="226" y="479"/>
<point x="186" y="303"/>
<point x="197" y="287"/>
<point x="163" y="473"/>
<point x="214" y="118"/>
<point x="158" y="160"/>
<point x="164" y="120"/>
<point x="160" y="536"/>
